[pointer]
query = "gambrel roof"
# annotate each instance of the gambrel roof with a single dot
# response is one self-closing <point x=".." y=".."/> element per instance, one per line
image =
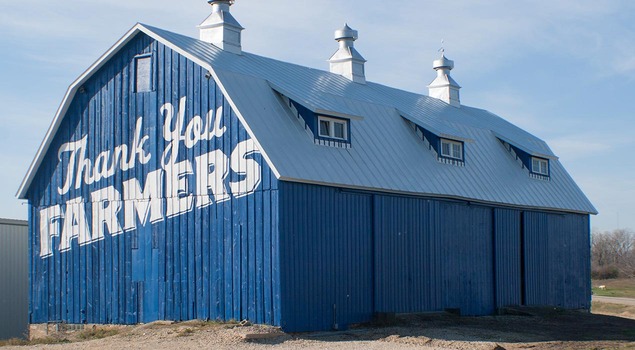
<point x="386" y="153"/>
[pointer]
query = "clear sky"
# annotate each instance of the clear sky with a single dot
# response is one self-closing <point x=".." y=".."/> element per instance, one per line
<point x="563" y="70"/>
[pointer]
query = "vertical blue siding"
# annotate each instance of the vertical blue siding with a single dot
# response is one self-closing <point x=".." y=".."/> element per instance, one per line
<point x="557" y="260"/>
<point x="508" y="256"/>
<point x="407" y="269"/>
<point x="325" y="257"/>
<point x="467" y="243"/>
<point x="432" y="255"/>
<point x="423" y="255"/>
<point x="217" y="262"/>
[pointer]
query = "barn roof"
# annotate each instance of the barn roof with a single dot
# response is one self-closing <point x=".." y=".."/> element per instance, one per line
<point x="385" y="154"/>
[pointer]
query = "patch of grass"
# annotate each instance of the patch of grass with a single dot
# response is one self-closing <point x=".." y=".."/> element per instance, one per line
<point x="186" y="332"/>
<point x="197" y="325"/>
<point x="14" y="342"/>
<point x="97" y="333"/>
<point x="38" y="341"/>
<point x="49" y="340"/>
<point x="613" y="309"/>
<point x="209" y="324"/>
<point x="621" y="288"/>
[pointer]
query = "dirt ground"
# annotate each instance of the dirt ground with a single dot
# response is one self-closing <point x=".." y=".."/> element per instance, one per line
<point x="536" y="329"/>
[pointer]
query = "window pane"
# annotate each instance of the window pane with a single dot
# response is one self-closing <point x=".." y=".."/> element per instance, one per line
<point x="456" y="147"/>
<point x="544" y="168"/>
<point x="338" y="130"/>
<point x="540" y="166"/>
<point x="325" y="129"/>
<point x="143" y="74"/>
<point x="445" y="149"/>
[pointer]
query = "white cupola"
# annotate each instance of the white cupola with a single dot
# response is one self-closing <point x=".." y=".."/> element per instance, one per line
<point x="221" y="28"/>
<point x="444" y="87"/>
<point x="347" y="61"/>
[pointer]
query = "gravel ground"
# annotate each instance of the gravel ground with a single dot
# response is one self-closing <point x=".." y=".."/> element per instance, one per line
<point x="537" y="329"/>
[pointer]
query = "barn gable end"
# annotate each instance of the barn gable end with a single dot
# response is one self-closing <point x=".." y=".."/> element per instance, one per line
<point x="149" y="203"/>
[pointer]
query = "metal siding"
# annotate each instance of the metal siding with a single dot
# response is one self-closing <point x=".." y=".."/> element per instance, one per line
<point x="557" y="260"/>
<point x="537" y="259"/>
<point x="467" y="244"/>
<point x="215" y="262"/>
<point x="426" y="255"/>
<point x="14" y="289"/>
<point x="325" y="257"/>
<point x="408" y="266"/>
<point x="433" y="255"/>
<point x="508" y="257"/>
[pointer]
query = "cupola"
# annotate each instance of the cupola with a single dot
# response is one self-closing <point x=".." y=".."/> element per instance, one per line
<point x="444" y="87"/>
<point x="347" y="61"/>
<point x="221" y="28"/>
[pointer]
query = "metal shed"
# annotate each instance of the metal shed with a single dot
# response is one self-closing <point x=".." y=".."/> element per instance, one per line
<point x="14" y="274"/>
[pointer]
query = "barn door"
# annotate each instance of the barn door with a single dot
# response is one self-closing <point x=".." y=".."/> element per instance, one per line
<point x="508" y="257"/>
<point x="145" y="278"/>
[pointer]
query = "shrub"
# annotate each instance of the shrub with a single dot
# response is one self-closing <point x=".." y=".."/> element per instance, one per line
<point x="605" y="272"/>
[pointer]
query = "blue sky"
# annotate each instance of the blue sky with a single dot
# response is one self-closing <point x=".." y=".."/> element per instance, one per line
<point x="563" y="70"/>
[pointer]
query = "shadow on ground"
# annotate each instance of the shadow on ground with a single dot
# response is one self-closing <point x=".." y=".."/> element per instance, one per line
<point x="536" y="326"/>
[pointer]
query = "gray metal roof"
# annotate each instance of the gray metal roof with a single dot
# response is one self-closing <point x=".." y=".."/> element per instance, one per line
<point x="386" y="153"/>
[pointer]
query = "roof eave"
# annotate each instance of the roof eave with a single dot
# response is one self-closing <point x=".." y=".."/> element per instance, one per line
<point x="588" y="211"/>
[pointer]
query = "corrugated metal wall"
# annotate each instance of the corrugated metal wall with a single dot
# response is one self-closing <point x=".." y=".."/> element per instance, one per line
<point x="508" y="257"/>
<point x="406" y="255"/>
<point x="433" y="255"/>
<point x="209" y="261"/>
<point x="14" y="277"/>
<point x="557" y="260"/>
<point x="325" y="257"/>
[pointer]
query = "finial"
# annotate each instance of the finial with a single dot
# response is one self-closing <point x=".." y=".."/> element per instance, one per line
<point x="442" y="49"/>
<point x="346" y="33"/>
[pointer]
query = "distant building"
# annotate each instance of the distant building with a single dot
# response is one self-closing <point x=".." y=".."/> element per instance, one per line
<point x="187" y="179"/>
<point x="14" y="279"/>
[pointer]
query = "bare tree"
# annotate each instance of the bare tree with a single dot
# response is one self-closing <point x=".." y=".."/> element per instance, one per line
<point x="614" y="250"/>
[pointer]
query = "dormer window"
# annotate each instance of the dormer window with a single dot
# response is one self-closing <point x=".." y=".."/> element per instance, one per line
<point x="537" y="167"/>
<point x="326" y="128"/>
<point x="447" y="151"/>
<point x="540" y="166"/>
<point x="451" y="149"/>
<point x="333" y="128"/>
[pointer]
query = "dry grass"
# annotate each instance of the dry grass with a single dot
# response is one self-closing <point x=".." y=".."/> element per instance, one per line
<point x="97" y="333"/>
<point x="186" y="332"/>
<point x="619" y="310"/>
<point x="38" y="341"/>
<point x="65" y="337"/>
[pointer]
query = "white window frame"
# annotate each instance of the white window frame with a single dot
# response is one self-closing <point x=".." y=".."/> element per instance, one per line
<point x="452" y="154"/>
<point x="542" y="167"/>
<point x="331" y="126"/>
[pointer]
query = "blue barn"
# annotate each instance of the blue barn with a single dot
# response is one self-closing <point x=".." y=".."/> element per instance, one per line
<point x="185" y="179"/>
